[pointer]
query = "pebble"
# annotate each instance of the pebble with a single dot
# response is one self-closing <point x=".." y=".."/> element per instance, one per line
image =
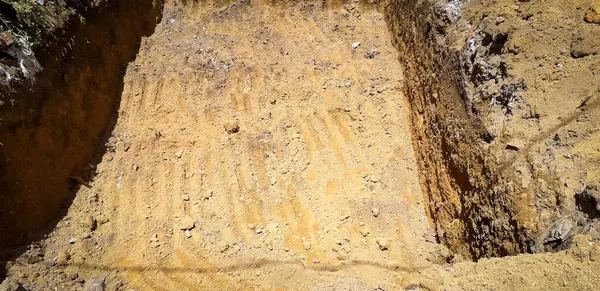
<point x="207" y="194"/>
<point x="348" y="84"/>
<point x="72" y="240"/>
<point x="62" y="258"/>
<point x="231" y="127"/>
<point x="72" y="276"/>
<point x="101" y="219"/>
<point x="224" y="247"/>
<point x="383" y="243"/>
<point x="394" y="265"/>
<point x="306" y="245"/>
<point x="186" y="223"/>
<point x="186" y="198"/>
<point x="89" y="223"/>
<point x="375" y="211"/>
<point x="187" y="233"/>
<point x="251" y="226"/>
<point x="355" y="45"/>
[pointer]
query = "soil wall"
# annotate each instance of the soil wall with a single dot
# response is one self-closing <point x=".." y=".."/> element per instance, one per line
<point x="472" y="206"/>
<point x="52" y="123"/>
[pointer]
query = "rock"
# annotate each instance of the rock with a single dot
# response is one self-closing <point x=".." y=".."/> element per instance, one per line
<point x="101" y="219"/>
<point x="371" y="55"/>
<point x="186" y="223"/>
<point x="187" y="233"/>
<point x="72" y="240"/>
<point x="95" y="284"/>
<point x="592" y="17"/>
<point x="232" y="127"/>
<point x="154" y="238"/>
<point x="383" y="243"/>
<point x="62" y="258"/>
<point x="347" y="83"/>
<point x="561" y="230"/>
<point x="186" y="198"/>
<point x="89" y="223"/>
<point x="10" y="284"/>
<point x="306" y="244"/>
<point x="207" y="194"/>
<point x="251" y="226"/>
<point x="72" y="276"/>
<point x="375" y="211"/>
<point x="355" y="45"/>
<point x="393" y="265"/>
<point x="178" y="154"/>
<point x="6" y="39"/>
<point x="587" y="42"/>
<point x="223" y="247"/>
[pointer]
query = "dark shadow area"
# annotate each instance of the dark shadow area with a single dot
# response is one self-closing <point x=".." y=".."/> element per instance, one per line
<point x="52" y="136"/>
<point x="587" y="201"/>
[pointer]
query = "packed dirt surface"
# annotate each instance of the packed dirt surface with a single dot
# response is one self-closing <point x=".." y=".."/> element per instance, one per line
<point x="267" y="145"/>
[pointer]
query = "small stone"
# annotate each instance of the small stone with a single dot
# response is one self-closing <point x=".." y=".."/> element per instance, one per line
<point x="95" y="284"/>
<point x="585" y="44"/>
<point x="375" y="211"/>
<point x="207" y="194"/>
<point x="592" y="17"/>
<point x="186" y="198"/>
<point x="154" y="238"/>
<point x="62" y="258"/>
<point x="72" y="240"/>
<point x="187" y="233"/>
<point x="6" y="39"/>
<point x="306" y="245"/>
<point x="72" y="276"/>
<point x="383" y="243"/>
<point x="347" y="83"/>
<point x="232" y="127"/>
<point x="89" y="223"/>
<point x="251" y="226"/>
<point x="355" y="45"/>
<point x="101" y="219"/>
<point x="11" y="284"/>
<point x="179" y="154"/>
<point x="393" y="265"/>
<point x="224" y="247"/>
<point x="186" y="223"/>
